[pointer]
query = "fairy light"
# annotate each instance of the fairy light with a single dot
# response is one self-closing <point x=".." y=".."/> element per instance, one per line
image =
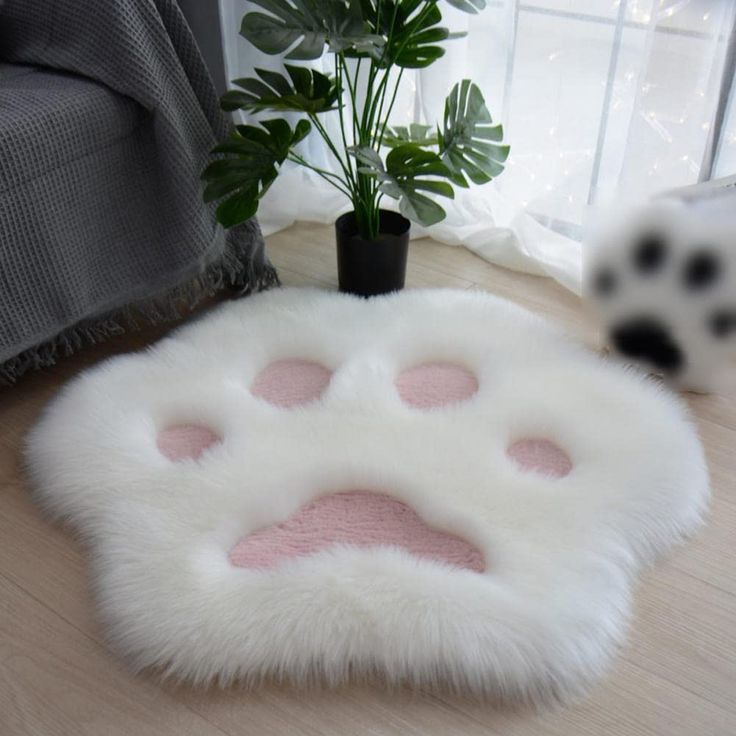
<point x="691" y="164"/>
<point x="651" y="117"/>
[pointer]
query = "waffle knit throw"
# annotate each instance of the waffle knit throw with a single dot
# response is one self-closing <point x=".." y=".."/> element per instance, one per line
<point x="107" y="115"/>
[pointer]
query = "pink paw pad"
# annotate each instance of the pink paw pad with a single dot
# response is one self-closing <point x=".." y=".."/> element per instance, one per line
<point x="291" y="382"/>
<point x="362" y="519"/>
<point x="185" y="441"/>
<point x="435" y="384"/>
<point x="539" y="455"/>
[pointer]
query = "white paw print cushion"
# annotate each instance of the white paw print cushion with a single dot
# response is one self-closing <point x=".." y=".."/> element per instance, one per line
<point x="432" y="487"/>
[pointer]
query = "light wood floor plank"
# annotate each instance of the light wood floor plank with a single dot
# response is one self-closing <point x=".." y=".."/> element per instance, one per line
<point x="57" y="682"/>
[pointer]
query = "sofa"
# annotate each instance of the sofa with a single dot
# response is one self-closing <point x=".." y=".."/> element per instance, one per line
<point x="107" y="117"/>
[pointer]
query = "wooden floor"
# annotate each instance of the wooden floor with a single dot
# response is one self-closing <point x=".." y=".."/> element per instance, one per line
<point x="676" y="677"/>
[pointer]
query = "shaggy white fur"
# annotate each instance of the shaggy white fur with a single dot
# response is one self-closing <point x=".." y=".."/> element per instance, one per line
<point x="542" y="621"/>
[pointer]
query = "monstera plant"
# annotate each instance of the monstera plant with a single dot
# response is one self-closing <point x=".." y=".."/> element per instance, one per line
<point x="372" y="42"/>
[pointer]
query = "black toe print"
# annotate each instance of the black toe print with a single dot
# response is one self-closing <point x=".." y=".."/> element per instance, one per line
<point x="604" y="282"/>
<point x="701" y="270"/>
<point x="722" y="323"/>
<point x="648" y="339"/>
<point x="650" y="254"/>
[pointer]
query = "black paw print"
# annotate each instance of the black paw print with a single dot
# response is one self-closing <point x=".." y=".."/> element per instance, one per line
<point x="646" y="336"/>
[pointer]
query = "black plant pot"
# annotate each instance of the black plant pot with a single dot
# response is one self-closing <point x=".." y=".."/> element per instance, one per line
<point x="370" y="267"/>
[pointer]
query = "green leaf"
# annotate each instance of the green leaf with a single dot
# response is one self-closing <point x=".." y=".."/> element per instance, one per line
<point x="301" y="131"/>
<point x="254" y="155"/>
<point x="414" y="133"/>
<point x="306" y="90"/>
<point x="404" y="177"/>
<point x="236" y="209"/>
<point x="468" y="6"/>
<point x="414" y="45"/>
<point x="411" y="30"/>
<point x="280" y="132"/>
<point x="368" y="156"/>
<point x="305" y="26"/>
<point x="276" y="81"/>
<point x="469" y="142"/>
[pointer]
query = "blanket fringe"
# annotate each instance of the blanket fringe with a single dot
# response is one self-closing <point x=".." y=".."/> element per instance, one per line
<point x="230" y="271"/>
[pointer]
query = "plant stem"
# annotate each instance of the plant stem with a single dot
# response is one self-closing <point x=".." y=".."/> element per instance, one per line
<point x="352" y="89"/>
<point x="367" y="104"/>
<point x="353" y="100"/>
<point x="375" y="119"/>
<point x="384" y="82"/>
<point x="328" y="176"/>
<point x="363" y="194"/>
<point x="369" y="123"/>
<point x="348" y="181"/>
<point x="341" y="72"/>
<point x="379" y="139"/>
<point x="363" y="201"/>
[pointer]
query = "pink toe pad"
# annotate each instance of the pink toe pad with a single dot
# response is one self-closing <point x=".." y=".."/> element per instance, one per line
<point x="540" y="455"/>
<point x="435" y="384"/>
<point x="185" y="440"/>
<point x="356" y="518"/>
<point x="291" y="382"/>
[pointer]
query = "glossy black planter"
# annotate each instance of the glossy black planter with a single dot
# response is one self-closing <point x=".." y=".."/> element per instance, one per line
<point x="370" y="267"/>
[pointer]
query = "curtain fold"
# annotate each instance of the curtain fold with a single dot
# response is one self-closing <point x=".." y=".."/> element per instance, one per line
<point x="600" y="100"/>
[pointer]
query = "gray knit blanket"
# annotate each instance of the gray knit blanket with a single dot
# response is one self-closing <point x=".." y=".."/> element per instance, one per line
<point x="107" y="115"/>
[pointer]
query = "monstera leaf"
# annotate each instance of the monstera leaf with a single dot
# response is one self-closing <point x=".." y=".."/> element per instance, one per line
<point x="411" y="30"/>
<point x="244" y="177"/>
<point x="310" y="24"/>
<point x="413" y="44"/>
<point x="469" y="142"/>
<point x="306" y="90"/>
<point x="468" y="6"/>
<point x="414" y="133"/>
<point x="404" y="178"/>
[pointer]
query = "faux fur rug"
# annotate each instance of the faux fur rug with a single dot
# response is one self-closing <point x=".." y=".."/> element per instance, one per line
<point x="432" y="487"/>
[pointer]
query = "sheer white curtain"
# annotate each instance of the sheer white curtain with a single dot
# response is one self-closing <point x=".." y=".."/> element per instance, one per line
<point x="599" y="99"/>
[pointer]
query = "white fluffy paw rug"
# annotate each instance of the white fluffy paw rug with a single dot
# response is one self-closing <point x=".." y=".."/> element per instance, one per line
<point x="432" y="487"/>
